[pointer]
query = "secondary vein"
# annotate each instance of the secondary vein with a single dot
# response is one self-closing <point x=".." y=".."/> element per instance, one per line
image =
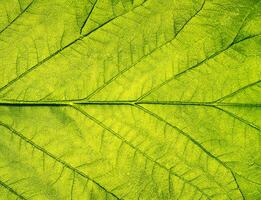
<point x="20" y="14"/>
<point x="59" y="51"/>
<point x="6" y="186"/>
<point x="63" y="163"/>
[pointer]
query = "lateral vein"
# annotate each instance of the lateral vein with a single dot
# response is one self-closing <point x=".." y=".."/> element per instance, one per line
<point x="63" y="163"/>
<point x="59" y="51"/>
<point x="20" y="14"/>
<point x="6" y="186"/>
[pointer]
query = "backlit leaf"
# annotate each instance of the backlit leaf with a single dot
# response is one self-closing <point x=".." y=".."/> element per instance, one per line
<point x="130" y="99"/>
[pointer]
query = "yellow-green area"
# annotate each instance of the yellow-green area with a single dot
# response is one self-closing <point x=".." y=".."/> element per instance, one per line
<point x="130" y="99"/>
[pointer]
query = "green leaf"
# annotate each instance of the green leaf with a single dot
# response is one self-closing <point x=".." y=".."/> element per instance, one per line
<point x="130" y="99"/>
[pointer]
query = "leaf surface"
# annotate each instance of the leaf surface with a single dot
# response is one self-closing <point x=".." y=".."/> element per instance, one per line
<point x="130" y="99"/>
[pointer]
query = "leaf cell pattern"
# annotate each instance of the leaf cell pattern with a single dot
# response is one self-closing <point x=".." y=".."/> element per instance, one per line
<point x="130" y="99"/>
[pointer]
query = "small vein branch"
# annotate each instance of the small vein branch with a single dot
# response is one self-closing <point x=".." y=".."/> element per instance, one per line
<point x="142" y="58"/>
<point x="191" y="139"/>
<point x="88" y="16"/>
<point x="182" y="132"/>
<point x="20" y="14"/>
<point x="6" y="186"/>
<point x="193" y="67"/>
<point x="137" y="149"/>
<point x="25" y="73"/>
<point x="68" y="166"/>
<point x="237" y="91"/>
<point x="238" y="118"/>
<point x="241" y="192"/>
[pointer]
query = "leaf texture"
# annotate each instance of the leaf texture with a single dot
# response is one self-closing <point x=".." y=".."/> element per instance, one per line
<point x="130" y="99"/>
